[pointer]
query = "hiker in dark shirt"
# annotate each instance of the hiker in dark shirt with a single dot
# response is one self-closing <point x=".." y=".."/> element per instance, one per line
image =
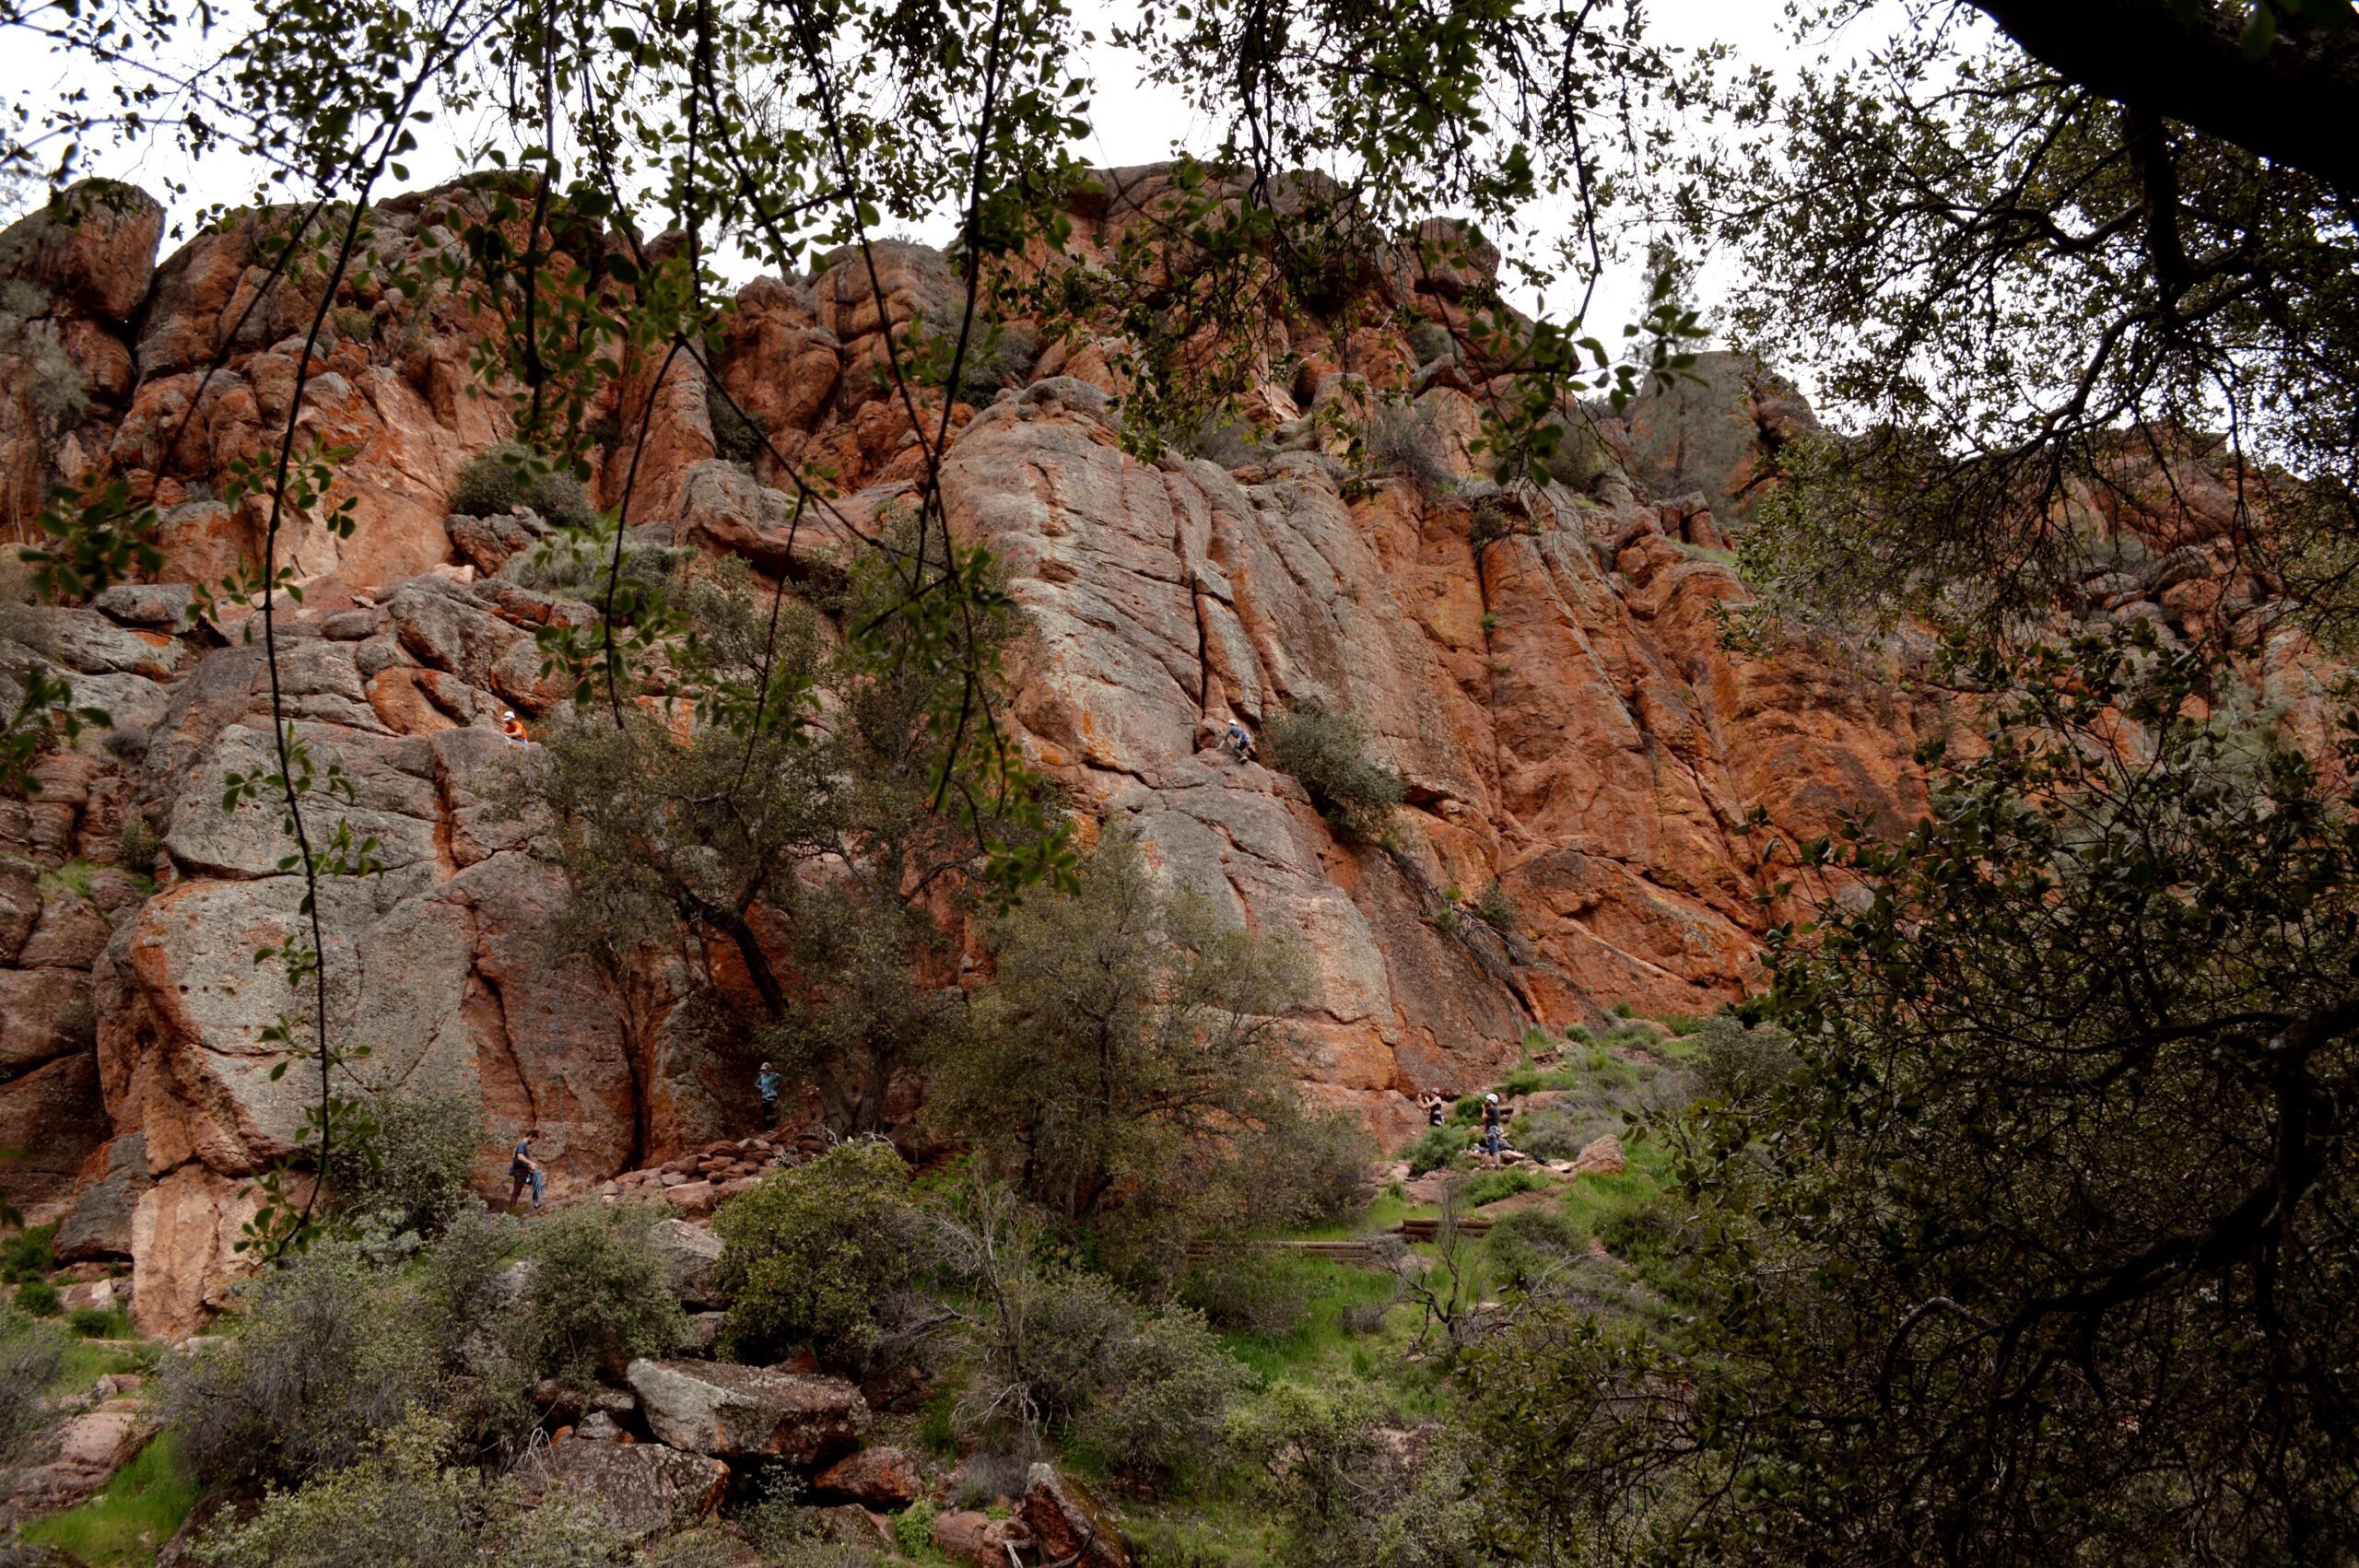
<point x="1493" y="1126"/>
<point x="1436" y="1108"/>
<point x="525" y="1171"/>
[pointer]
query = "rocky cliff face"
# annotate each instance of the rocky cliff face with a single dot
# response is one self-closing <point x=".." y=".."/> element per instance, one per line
<point x="1543" y="668"/>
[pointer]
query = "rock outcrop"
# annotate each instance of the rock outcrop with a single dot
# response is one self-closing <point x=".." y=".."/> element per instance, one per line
<point x="726" y="1410"/>
<point x="1544" y="665"/>
<point x="640" y="1488"/>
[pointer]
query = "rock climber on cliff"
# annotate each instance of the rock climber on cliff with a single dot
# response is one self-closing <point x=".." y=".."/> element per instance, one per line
<point x="513" y="728"/>
<point x="525" y="1171"/>
<point x="1239" y="741"/>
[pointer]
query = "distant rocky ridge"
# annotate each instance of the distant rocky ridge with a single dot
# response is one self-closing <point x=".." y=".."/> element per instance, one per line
<point x="1558" y="700"/>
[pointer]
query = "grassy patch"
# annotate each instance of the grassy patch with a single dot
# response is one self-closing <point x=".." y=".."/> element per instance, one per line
<point x="139" y="1511"/>
<point x="1594" y="1202"/>
<point x="1528" y="1077"/>
<point x="1490" y="1186"/>
<point x="86" y="1361"/>
<point x="1206" y="1532"/>
<point x="73" y="877"/>
<point x="1388" y="1209"/>
<point x="1321" y="1288"/>
<point x="100" y="1323"/>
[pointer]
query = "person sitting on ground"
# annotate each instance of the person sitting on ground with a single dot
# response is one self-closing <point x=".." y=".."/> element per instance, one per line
<point x="513" y="728"/>
<point x="525" y="1171"/>
<point x="768" y="1083"/>
<point x="1493" y="1126"/>
<point x="1436" y="1108"/>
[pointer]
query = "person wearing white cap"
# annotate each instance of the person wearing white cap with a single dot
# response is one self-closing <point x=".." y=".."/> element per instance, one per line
<point x="513" y="728"/>
<point x="1494" y="1131"/>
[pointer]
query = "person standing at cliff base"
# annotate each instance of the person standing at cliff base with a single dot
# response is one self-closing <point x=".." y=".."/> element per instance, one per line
<point x="525" y="1171"/>
<point x="1493" y="1126"/>
<point x="768" y="1083"/>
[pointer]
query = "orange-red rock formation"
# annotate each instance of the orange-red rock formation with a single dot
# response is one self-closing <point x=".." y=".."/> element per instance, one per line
<point x="1544" y="667"/>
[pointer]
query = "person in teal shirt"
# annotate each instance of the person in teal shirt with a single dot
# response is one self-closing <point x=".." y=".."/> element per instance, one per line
<point x="768" y="1083"/>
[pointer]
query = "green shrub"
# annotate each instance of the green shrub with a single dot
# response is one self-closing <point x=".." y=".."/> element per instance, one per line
<point x="1438" y="1146"/>
<point x="1560" y="1132"/>
<point x="512" y="475"/>
<point x="410" y="1162"/>
<point x="1328" y="752"/>
<point x="331" y="1349"/>
<point x="38" y="1299"/>
<point x="1173" y="1388"/>
<point x="30" y="1356"/>
<point x="822" y="1254"/>
<point x="576" y="566"/>
<point x="736" y="434"/>
<point x="988" y="1474"/>
<point x="913" y="1529"/>
<point x="599" y="1297"/>
<point x="97" y="1323"/>
<point x="1347" y="1495"/>
<point x="1050" y="1345"/>
<point x="1498" y="909"/>
<point x="1429" y="341"/>
<point x="1306" y="1166"/>
<point x="401" y="1505"/>
<point x="351" y="322"/>
<point x="1531" y="1246"/>
<point x="138" y="843"/>
<point x="1641" y="1233"/>
<point x="1244" y="1292"/>
<point x="1489" y="524"/>
<point x="25" y="1254"/>
<point x="785" y="1534"/>
<point x="1133" y="1029"/>
<point x="996" y="355"/>
<point x="467" y="1290"/>
<point x="1402" y="438"/>
<point x="1734" y="1063"/>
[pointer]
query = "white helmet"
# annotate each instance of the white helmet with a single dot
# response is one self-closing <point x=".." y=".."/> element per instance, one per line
<point x="1491" y="1099"/>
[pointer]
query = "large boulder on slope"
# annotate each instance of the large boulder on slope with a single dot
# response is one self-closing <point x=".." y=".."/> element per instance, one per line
<point x="715" y="1408"/>
<point x="642" y="1487"/>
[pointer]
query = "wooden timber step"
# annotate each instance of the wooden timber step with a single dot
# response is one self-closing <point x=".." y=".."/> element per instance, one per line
<point x="1424" y="1230"/>
<point x="1351" y="1249"/>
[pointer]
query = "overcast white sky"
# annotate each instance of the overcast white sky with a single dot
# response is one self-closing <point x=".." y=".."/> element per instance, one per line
<point x="1133" y="123"/>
